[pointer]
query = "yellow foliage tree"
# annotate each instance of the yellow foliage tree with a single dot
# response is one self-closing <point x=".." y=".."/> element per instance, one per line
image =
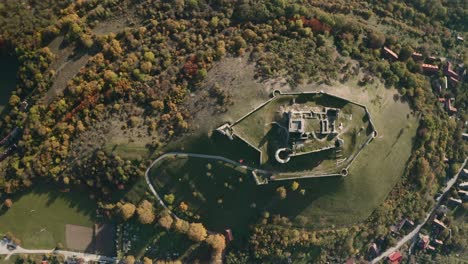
<point x="197" y="232"/>
<point x="145" y="212"/>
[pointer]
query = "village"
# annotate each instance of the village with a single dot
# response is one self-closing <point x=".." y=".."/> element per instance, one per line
<point x="429" y="237"/>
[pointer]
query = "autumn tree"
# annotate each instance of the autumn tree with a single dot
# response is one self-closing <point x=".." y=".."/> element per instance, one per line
<point x="281" y="191"/>
<point x="218" y="243"/>
<point x="181" y="226"/>
<point x="127" y="211"/>
<point x="183" y="206"/>
<point x="129" y="259"/>
<point x="8" y="203"/>
<point x="147" y="261"/>
<point x="166" y="221"/>
<point x="14" y="100"/>
<point x="145" y="212"/>
<point x="197" y="232"/>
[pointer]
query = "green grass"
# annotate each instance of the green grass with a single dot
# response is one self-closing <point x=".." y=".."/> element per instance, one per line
<point x="38" y="218"/>
<point x="183" y="177"/>
<point x="328" y="201"/>
<point x="130" y="151"/>
<point x="258" y="130"/>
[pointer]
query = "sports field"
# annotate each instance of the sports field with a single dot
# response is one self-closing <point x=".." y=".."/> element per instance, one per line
<point x="38" y="218"/>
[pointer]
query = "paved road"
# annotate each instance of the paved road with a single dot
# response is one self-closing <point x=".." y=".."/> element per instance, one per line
<point x="87" y="257"/>
<point x="416" y="230"/>
<point x="65" y="253"/>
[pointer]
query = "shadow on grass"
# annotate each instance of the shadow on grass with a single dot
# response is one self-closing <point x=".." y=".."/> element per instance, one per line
<point x="75" y="200"/>
<point x="225" y="198"/>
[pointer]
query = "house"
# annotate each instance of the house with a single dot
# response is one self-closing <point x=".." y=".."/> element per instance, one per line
<point x="465" y="136"/>
<point x="431" y="59"/>
<point x="417" y="56"/>
<point x="453" y="81"/>
<point x="449" y="72"/>
<point x="228" y="235"/>
<point x="455" y="201"/>
<point x="450" y="108"/>
<point x="390" y="53"/>
<point x="463" y="194"/>
<point x="463" y="185"/>
<point x="423" y="241"/>
<point x="438" y="242"/>
<point x="373" y="251"/>
<point x="439" y="223"/>
<point x="395" y="257"/>
<point x="460" y="38"/>
<point x="430" y="68"/>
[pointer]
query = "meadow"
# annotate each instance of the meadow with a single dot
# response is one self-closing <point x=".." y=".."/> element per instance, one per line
<point x="334" y="201"/>
<point x="38" y="217"/>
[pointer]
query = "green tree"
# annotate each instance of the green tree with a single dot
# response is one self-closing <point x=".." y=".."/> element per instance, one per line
<point x="294" y="185"/>
<point x="169" y="198"/>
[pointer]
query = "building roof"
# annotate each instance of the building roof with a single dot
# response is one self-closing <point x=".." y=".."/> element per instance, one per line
<point x="440" y="223"/>
<point x="450" y="106"/>
<point x="429" y="67"/>
<point x="458" y="201"/>
<point x="391" y="53"/>
<point x="228" y="234"/>
<point x="450" y="72"/>
<point x="395" y="256"/>
<point x="424" y="241"/>
<point x="417" y="56"/>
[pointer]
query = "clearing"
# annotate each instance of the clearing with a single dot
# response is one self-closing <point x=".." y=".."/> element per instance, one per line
<point x="38" y="218"/>
<point x="327" y="201"/>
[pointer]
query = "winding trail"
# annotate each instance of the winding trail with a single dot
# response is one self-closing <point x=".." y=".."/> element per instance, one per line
<point x="183" y="155"/>
<point x="416" y="230"/>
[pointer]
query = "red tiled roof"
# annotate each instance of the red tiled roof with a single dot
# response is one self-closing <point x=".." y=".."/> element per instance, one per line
<point x="450" y="107"/>
<point x="228" y="233"/>
<point x="430" y="67"/>
<point x="395" y="256"/>
<point x="417" y="55"/>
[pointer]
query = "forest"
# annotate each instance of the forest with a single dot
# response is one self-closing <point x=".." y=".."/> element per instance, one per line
<point x="141" y="76"/>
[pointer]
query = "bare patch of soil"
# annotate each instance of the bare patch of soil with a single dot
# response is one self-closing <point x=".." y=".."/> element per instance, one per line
<point x="114" y="134"/>
<point x="66" y="65"/>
